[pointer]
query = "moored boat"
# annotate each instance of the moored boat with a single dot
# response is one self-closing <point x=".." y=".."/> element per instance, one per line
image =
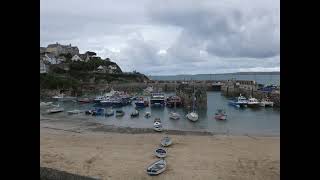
<point x="135" y="113"/>
<point x="55" y="110"/>
<point x="220" y="115"/>
<point x="266" y="102"/>
<point x="174" y="115"/>
<point x="157" y="167"/>
<point x="240" y="101"/>
<point x="166" y="141"/>
<point x="193" y="116"/>
<point x="84" y="100"/>
<point x="119" y="113"/>
<point x="147" y="114"/>
<point x="157" y="99"/>
<point x="253" y="102"/>
<point x="160" y="152"/>
<point x="109" y="112"/>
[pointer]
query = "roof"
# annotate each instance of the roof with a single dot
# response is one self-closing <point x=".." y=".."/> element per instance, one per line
<point x="50" y="55"/>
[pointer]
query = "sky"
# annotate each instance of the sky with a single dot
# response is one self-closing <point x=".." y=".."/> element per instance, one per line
<point x="168" y="37"/>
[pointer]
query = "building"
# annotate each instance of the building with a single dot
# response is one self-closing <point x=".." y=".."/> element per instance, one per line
<point x="58" y="49"/>
<point x="76" y="58"/>
<point x="43" y="68"/>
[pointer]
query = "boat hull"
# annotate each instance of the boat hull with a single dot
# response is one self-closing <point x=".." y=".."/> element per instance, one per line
<point x="192" y="117"/>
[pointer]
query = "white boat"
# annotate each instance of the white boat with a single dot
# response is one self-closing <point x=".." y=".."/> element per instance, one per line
<point x="45" y="103"/>
<point x="253" y="102"/>
<point x="157" y="126"/>
<point x="157" y="167"/>
<point x="166" y="141"/>
<point x="147" y="114"/>
<point x="266" y="103"/>
<point x="160" y="152"/>
<point x="55" y="110"/>
<point x="174" y="115"/>
<point x="193" y="116"/>
<point x="76" y="111"/>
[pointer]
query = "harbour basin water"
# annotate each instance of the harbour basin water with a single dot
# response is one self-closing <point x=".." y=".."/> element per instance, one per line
<point x="240" y="121"/>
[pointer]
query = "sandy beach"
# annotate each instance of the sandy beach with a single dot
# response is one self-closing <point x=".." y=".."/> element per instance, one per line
<point x="82" y="148"/>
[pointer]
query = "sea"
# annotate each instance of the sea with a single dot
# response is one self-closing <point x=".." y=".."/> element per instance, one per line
<point x="265" y="79"/>
<point x="240" y="121"/>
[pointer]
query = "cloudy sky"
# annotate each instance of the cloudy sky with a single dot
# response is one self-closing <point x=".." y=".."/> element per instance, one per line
<point x="166" y="37"/>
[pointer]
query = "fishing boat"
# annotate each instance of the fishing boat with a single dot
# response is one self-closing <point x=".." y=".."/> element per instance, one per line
<point x="240" y="101"/>
<point x="253" y="102"/>
<point x="119" y="113"/>
<point x="55" y="110"/>
<point x="141" y="103"/>
<point x="193" y="116"/>
<point x="157" y="167"/>
<point x="166" y="141"/>
<point x="220" y="115"/>
<point x="135" y="113"/>
<point x="266" y="102"/>
<point x="109" y="112"/>
<point x="147" y="114"/>
<point x="157" y="99"/>
<point x="160" y="152"/>
<point x="76" y="111"/>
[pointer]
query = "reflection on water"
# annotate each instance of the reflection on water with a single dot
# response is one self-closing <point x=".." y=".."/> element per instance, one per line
<point x="263" y="121"/>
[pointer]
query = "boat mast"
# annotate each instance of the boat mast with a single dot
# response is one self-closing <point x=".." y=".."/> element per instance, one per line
<point x="175" y="88"/>
<point x="193" y="97"/>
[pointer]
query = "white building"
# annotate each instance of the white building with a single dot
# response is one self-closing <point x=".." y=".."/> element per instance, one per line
<point x="43" y="68"/>
<point x="76" y="58"/>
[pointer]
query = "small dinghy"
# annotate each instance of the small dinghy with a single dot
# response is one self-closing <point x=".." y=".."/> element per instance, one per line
<point x="157" y="126"/>
<point x="73" y="112"/>
<point x="160" y="152"/>
<point x="157" y="167"/>
<point x="55" y="110"/>
<point x="135" y="113"/>
<point x="110" y="112"/>
<point x="220" y="115"/>
<point x="166" y="141"/>
<point x="98" y="112"/>
<point x="174" y="115"/>
<point x="89" y="112"/>
<point x="119" y="113"/>
<point x="147" y="114"/>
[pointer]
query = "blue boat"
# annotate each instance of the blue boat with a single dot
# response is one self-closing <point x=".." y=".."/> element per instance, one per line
<point x="98" y="112"/>
<point x="240" y="101"/>
<point x="141" y="103"/>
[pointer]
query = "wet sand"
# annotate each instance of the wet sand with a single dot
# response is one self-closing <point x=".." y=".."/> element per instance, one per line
<point x="92" y="149"/>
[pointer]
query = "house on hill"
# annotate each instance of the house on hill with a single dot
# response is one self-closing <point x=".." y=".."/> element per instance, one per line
<point x="76" y="58"/>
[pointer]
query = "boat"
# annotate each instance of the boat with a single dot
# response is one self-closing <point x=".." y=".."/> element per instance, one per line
<point x="157" y="99"/>
<point x="157" y="167"/>
<point x="193" y="116"/>
<point x="266" y="102"/>
<point x="175" y="100"/>
<point x="141" y="102"/>
<point x="84" y="100"/>
<point x="157" y="126"/>
<point x="55" y="110"/>
<point x="119" y="113"/>
<point x="253" y="102"/>
<point x="240" y="101"/>
<point x="147" y="114"/>
<point x="166" y="141"/>
<point x="89" y="112"/>
<point x="98" y="112"/>
<point x="45" y="103"/>
<point x="135" y="113"/>
<point x="109" y="112"/>
<point x="174" y="115"/>
<point x="73" y="112"/>
<point x="160" y="152"/>
<point x="62" y="97"/>
<point x="220" y="115"/>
